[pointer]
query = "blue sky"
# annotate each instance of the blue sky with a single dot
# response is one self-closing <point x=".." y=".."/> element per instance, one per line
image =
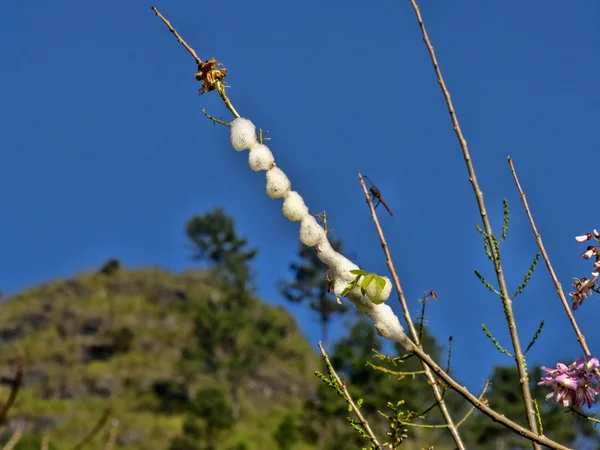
<point x="104" y="150"/>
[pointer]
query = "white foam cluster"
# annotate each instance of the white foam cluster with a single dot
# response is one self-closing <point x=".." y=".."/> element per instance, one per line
<point x="260" y="158"/>
<point x="311" y="233"/>
<point x="243" y="134"/>
<point x="293" y="207"/>
<point x="278" y="185"/>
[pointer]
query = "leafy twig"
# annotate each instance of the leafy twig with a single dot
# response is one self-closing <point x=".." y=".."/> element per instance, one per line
<point x="527" y="276"/>
<point x="535" y="336"/>
<point x="346" y="395"/>
<point x="486" y="283"/>
<point x="505" y="221"/>
<point x="488" y="333"/>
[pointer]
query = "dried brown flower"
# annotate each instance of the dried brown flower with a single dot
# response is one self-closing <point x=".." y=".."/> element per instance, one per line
<point x="210" y="72"/>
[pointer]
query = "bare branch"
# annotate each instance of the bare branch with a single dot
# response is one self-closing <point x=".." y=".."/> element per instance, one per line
<point x="16" y="385"/>
<point x="507" y="302"/>
<point x="437" y="392"/>
<point x="540" y="244"/>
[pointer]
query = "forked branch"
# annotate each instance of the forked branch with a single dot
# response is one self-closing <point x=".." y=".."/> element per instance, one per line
<point x="507" y="302"/>
<point x="437" y="392"/>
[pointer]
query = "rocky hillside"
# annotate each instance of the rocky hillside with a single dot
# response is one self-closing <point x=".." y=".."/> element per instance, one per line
<point x="115" y="340"/>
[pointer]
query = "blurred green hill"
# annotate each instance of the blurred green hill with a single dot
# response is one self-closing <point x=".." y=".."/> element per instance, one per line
<point x="183" y="362"/>
<point x="116" y="339"/>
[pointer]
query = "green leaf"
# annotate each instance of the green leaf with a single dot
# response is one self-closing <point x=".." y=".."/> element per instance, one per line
<point x="365" y="283"/>
<point x="347" y="289"/>
<point x="358" y="272"/>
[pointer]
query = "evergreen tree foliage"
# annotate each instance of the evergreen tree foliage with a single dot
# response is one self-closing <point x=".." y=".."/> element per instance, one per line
<point x="216" y="241"/>
<point x="286" y="434"/>
<point x="210" y="415"/>
<point x="32" y="442"/>
<point x="234" y="332"/>
<point x="352" y="358"/>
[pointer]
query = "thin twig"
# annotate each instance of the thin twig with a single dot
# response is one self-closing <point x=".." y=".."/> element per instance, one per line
<point x="461" y="421"/>
<point x="16" y="385"/>
<point x="356" y="410"/>
<point x="479" y="403"/>
<point x="45" y="442"/>
<point x="437" y="392"/>
<point x="208" y="116"/>
<point x="540" y="244"/>
<point x="112" y="438"/>
<point x="218" y="85"/>
<point x="16" y="437"/>
<point x="97" y="428"/>
<point x="507" y="302"/>
<point x="485" y="388"/>
<point x="179" y="38"/>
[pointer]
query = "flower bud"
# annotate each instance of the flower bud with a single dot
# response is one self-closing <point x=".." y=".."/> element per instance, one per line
<point x="591" y="251"/>
<point x="378" y="294"/>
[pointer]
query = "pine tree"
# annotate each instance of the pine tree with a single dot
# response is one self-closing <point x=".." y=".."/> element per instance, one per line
<point x="216" y="242"/>
<point x="234" y="332"/>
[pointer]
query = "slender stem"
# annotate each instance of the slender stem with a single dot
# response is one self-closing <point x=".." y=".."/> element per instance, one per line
<point x="540" y="244"/>
<point x="179" y="38"/>
<point x="97" y="428"/>
<point x="356" y="410"/>
<point x="112" y="437"/>
<point x="45" y="442"/>
<point x="507" y="302"/>
<point x="437" y="392"/>
<point x="16" y="385"/>
<point x="483" y="391"/>
<point x="16" y="437"/>
<point x="219" y="86"/>
<point x="208" y="116"/>
<point x="460" y="422"/>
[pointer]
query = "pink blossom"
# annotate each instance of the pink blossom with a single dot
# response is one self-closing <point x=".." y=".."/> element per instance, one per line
<point x="575" y="385"/>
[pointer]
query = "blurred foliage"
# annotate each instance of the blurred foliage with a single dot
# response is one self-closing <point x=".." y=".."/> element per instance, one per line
<point x="82" y="352"/>
<point x="196" y="361"/>
<point x="286" y="434"/>
<point x="216" y="241"/>
<point x="32" y="442"/>
<point x="352" y="358"/>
